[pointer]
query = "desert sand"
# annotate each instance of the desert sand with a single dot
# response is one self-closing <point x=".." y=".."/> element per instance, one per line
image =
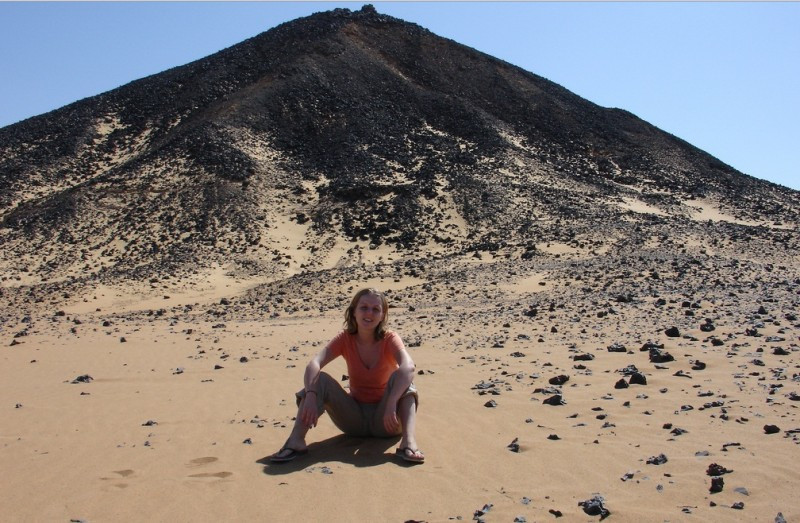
<point x="144" y="402"/>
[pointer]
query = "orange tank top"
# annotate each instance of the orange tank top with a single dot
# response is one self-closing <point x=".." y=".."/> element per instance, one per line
<point x="367" y="385"/>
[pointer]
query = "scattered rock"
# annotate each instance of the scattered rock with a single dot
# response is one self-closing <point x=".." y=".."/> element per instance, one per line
<point x="717" y="484"/>
<point x="637" y="378"/>
<point x="717" y="470"/>
<point x="595" y="507"/>
<point x="555" y="400"/>
<point x="658" y="356"/>
<point x="657" y="460"/>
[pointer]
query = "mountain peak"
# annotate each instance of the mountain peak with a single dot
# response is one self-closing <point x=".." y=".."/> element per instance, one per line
<point x="377" y="133"/>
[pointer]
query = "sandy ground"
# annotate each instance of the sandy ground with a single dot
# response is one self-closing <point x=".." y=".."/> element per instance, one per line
<point x="182" y="411"/>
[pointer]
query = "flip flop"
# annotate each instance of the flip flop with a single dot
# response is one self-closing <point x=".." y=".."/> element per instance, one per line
<point x="409" y="454"/>
<point x="293" y="453"/>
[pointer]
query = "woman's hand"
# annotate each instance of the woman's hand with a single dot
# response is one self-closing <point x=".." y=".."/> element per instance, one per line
<point x="308" y="412"/>
<point x="390" y="421"/>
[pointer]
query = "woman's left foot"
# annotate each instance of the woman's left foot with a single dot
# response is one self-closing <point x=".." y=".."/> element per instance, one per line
<point x="287" y="454"/>
<point x="410" y="455"/>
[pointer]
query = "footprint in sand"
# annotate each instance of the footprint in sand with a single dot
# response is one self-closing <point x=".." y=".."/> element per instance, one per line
<point x="198" y="462"/>
<point x="202" y="461"/>
<point x="122" y="473"/>
<point x="220" y="475"/>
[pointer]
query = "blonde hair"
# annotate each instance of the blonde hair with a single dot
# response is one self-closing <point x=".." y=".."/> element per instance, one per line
<point x="349" y="314"/>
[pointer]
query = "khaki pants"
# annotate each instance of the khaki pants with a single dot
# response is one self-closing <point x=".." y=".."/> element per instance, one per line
<point x="354" y="418"/>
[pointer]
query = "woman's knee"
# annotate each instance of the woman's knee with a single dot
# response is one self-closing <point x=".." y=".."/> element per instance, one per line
<point x="323" y="384"/>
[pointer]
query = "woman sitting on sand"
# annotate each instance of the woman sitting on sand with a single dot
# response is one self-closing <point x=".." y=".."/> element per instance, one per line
<point x="382" y="401"/>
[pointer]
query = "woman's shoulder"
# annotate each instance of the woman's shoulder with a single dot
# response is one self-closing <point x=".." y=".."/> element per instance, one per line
<point x="341" y="339"/>
<point x="392" y="338"/>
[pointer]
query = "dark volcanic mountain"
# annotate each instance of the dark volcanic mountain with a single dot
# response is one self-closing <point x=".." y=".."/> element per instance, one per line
<point x="351" y="129"/>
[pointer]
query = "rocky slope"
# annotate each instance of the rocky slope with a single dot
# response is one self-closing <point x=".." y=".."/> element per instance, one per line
<point x="294" y="151"/>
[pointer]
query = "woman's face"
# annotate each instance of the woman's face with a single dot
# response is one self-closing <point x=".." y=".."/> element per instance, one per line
<point x="369" y="312"/>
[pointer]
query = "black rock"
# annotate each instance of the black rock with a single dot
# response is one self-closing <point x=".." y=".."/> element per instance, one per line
<point x="617" y="347"/>
<point x="637" y="378"/>
<point x="672" y="332"/>
<point x="707" y="327"/>
<point x="558" y="380"/>
<point x="621" y="384"/>
<point x="85" y="378"/>
<point x="555" y="400"/>
<point x="657" y="460"/>
<point x="717" y="470"/>
<point x="650" y="346"/>
<point x="771" y="429"/>
<point x="553" y="437"/>
<point x="698" y="365"/>
<point x="514" y="445"/>
<point x="556" y="513"/>
<point x="657" y="356"/>
<point x="583" y="357"/>
<point x="717" y="484"/>
<point x="739" y="505"/>
<point x="595" y="507"/>
<point x="481" y="512"/>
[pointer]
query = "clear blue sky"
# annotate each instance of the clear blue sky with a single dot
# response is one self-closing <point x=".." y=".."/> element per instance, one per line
<point x="724" y="76"/>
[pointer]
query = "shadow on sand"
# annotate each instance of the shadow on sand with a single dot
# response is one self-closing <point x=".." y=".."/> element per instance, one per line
<point x="360" y="452"/>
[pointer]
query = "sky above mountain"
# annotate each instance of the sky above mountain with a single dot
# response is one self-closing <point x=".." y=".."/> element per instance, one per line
<point x="722" y="76"/>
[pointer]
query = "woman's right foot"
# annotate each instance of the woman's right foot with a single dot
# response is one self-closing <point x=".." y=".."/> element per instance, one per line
<point x="288" y="453"/>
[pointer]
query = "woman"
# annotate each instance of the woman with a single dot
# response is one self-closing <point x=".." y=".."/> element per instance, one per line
<point x="382" y="401"/>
